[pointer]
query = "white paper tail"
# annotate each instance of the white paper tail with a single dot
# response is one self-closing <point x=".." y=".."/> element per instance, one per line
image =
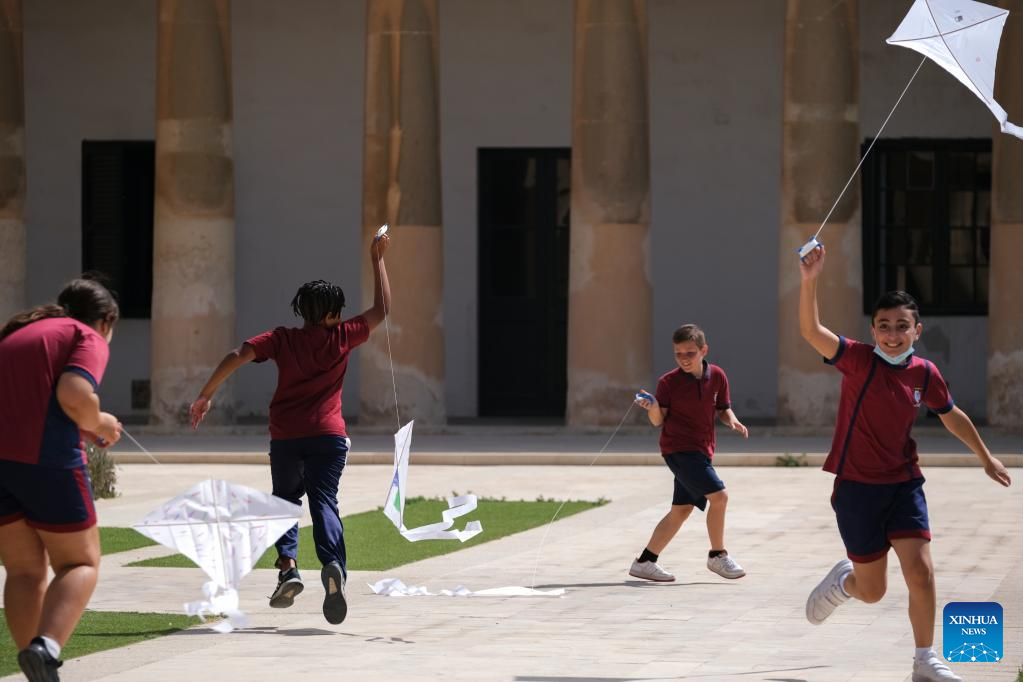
<point x="393" y="587"/>
<point x="217" y="601"/>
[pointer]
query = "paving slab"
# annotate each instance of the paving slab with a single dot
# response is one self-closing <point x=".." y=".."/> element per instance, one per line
<point x="608" y="626"/>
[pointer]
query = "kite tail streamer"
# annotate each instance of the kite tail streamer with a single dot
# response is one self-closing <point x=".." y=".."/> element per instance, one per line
<point x="536" y="564"/>
<point x="872" y="143"/>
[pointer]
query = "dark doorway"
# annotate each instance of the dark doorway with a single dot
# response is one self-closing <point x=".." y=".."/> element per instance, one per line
<point x="523" y="281"/>
<point x="117" y="218"/>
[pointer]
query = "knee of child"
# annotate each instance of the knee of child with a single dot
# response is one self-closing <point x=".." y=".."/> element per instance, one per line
<point x="720" y="498"/>
<point x="919" y="575"/>
<point x="871" y="593"/>
<point x="681" y="512"/>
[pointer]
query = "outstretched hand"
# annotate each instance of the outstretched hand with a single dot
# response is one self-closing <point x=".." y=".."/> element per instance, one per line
<point x="811" y="265"/>
<point x="996" y="470"/>
<point x="198" y="410"/>
<point x="378" y="247"/>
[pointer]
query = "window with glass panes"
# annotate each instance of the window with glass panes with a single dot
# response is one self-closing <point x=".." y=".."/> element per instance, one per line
<point x="926" y="223"/>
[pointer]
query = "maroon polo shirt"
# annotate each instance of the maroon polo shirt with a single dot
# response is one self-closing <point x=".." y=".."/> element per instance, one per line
<point x="876" y="410"/>
<point x="34" y="426"/>
<point x="311" y="365"/>
<point x="692" y="406"/>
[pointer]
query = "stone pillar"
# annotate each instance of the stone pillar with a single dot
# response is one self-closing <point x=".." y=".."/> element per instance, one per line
<point x="820" y="149"/>
<point x="193" y="232"/>
<point x="1005" y="306"/>
<point x="12" y="161"/>
<point x="401" y="187"/>
<point x="609" y="299"/>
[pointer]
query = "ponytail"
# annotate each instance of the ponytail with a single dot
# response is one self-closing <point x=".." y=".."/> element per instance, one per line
<point x="84" y="299"/>
<point x="27" y="317"/>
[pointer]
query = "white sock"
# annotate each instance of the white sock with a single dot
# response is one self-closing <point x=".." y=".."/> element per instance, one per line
<point x="841" y="583"/>
<point x="924" y="652"/>
<point x="51" y="646"/>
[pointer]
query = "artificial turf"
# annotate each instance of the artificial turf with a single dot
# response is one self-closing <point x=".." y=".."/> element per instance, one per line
<point x="373" y="544"/>
<point x="100" y="630"/>
<point x="113" y="540"/>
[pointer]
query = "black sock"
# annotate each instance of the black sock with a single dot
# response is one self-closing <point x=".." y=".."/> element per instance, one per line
<point x="646" y="556"/>
<point x="716" y="552"/>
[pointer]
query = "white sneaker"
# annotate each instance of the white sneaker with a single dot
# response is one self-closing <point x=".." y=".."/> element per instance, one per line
<point x="648" y="570"/>
<point x="828" y="595"/>
<point x="725" y="567"/>
<point x="931" y="669"/>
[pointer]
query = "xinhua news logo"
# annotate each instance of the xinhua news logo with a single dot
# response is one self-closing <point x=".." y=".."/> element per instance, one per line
<point x="972" y="632"/>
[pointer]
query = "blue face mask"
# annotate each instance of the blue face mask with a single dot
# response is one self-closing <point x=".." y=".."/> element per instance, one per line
<point x="895" y="360"/>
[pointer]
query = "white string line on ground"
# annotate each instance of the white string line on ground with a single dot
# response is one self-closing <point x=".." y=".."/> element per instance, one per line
<point x="866" y="153"/>
<point x="536" y="563"/>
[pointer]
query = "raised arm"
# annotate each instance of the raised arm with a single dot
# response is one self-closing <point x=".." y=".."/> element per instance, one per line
<point x="960" y="425"/>
<point x="232" y="361"/>
<point x="823" y="340"/>
<point x="381" y="287"/>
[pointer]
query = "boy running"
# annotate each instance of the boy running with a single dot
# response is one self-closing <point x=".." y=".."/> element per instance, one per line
<point x="688" y="399"/>
<point x="878" y="495"/>
<point x="308" y="442"/>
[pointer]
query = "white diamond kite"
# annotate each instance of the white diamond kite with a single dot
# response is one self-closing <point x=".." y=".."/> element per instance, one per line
<point x="394" y="507"/>
<point x="962" y="36"/>
<point x="224" y="528"/>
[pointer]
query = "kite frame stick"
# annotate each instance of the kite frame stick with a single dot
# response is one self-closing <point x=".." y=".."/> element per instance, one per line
<point x="866" y="153"/>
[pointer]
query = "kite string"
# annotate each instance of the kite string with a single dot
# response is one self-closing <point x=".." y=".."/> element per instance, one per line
<point x="872" y="143"/>
<point x="536" y="564"/>
<point x="390" y="358"/>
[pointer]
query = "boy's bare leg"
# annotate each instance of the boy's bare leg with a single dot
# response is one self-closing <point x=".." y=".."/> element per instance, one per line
<point x="918" y="570"/>
<point x="668" y="526"/>
<point x="718" y="503"/>
<point x="868" y="582"/>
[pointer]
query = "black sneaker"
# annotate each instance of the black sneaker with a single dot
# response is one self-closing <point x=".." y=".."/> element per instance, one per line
<point x="37" y="663"/>
<point x="289" y="586"/>
<point x="335" y="607"/>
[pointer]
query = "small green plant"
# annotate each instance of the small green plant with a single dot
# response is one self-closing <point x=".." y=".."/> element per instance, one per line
<point x="789" y="460"/>
<point x="1019" y="674"/>
<point x="102" y="472"/>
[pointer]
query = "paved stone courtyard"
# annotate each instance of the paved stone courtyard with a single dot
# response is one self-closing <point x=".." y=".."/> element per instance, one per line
<point x="608" y="626"/>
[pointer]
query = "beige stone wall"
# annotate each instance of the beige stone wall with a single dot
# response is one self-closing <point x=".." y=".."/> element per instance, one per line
<point x="609" y="318"/>
<point x="193" y="311"/>
<point x="1005" y="309"/>
<point x="402" y="187"/>
<point x="12" y="161"/>
<point x="820" y="148"/>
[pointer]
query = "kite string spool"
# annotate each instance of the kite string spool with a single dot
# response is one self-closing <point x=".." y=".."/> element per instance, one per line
<point x="866" y="153"/>
<point x="536" y="563"/>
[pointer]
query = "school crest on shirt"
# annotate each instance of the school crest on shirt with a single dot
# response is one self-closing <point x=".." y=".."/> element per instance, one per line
<point x="917" y="396"/>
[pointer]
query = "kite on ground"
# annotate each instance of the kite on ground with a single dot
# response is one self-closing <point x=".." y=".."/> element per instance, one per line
<point x="224" y="528"/>
<point x="394" y="507"/>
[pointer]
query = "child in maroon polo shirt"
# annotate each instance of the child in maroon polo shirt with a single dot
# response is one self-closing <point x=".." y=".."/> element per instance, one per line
<point x="308" y="441"/>
<point x="878" y="496"/>
<point x="687" y="401"/>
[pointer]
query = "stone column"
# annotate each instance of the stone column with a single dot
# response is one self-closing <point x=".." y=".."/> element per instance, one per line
<point x="609" y="300"/>
<point x="12" y="161"/>
<point x="193" y="233"/>
<point x="1005" y="307"/>
<point x="401" y="187"/>
<point x="820" y="149"/>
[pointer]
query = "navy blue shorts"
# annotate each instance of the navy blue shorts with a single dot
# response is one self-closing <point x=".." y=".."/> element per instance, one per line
<point x="871" y="515"/>
<point x="695" y="478"/>
<point x="56" y="500"/>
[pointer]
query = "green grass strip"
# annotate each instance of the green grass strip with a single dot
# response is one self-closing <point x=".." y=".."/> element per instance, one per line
<point x="373" y="543"/>
<point x="113" y="540"/>
<point x="101" y="630"/>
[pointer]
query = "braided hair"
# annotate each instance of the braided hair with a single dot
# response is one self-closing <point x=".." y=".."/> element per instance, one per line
<point x="316" y="300"/>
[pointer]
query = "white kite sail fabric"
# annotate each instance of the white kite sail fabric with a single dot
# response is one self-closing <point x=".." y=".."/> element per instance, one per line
<point x="962" y="36"/>
<point x="224" y="528"/>
<point x="392" y="587"/>
<point x="394" y="507"/>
